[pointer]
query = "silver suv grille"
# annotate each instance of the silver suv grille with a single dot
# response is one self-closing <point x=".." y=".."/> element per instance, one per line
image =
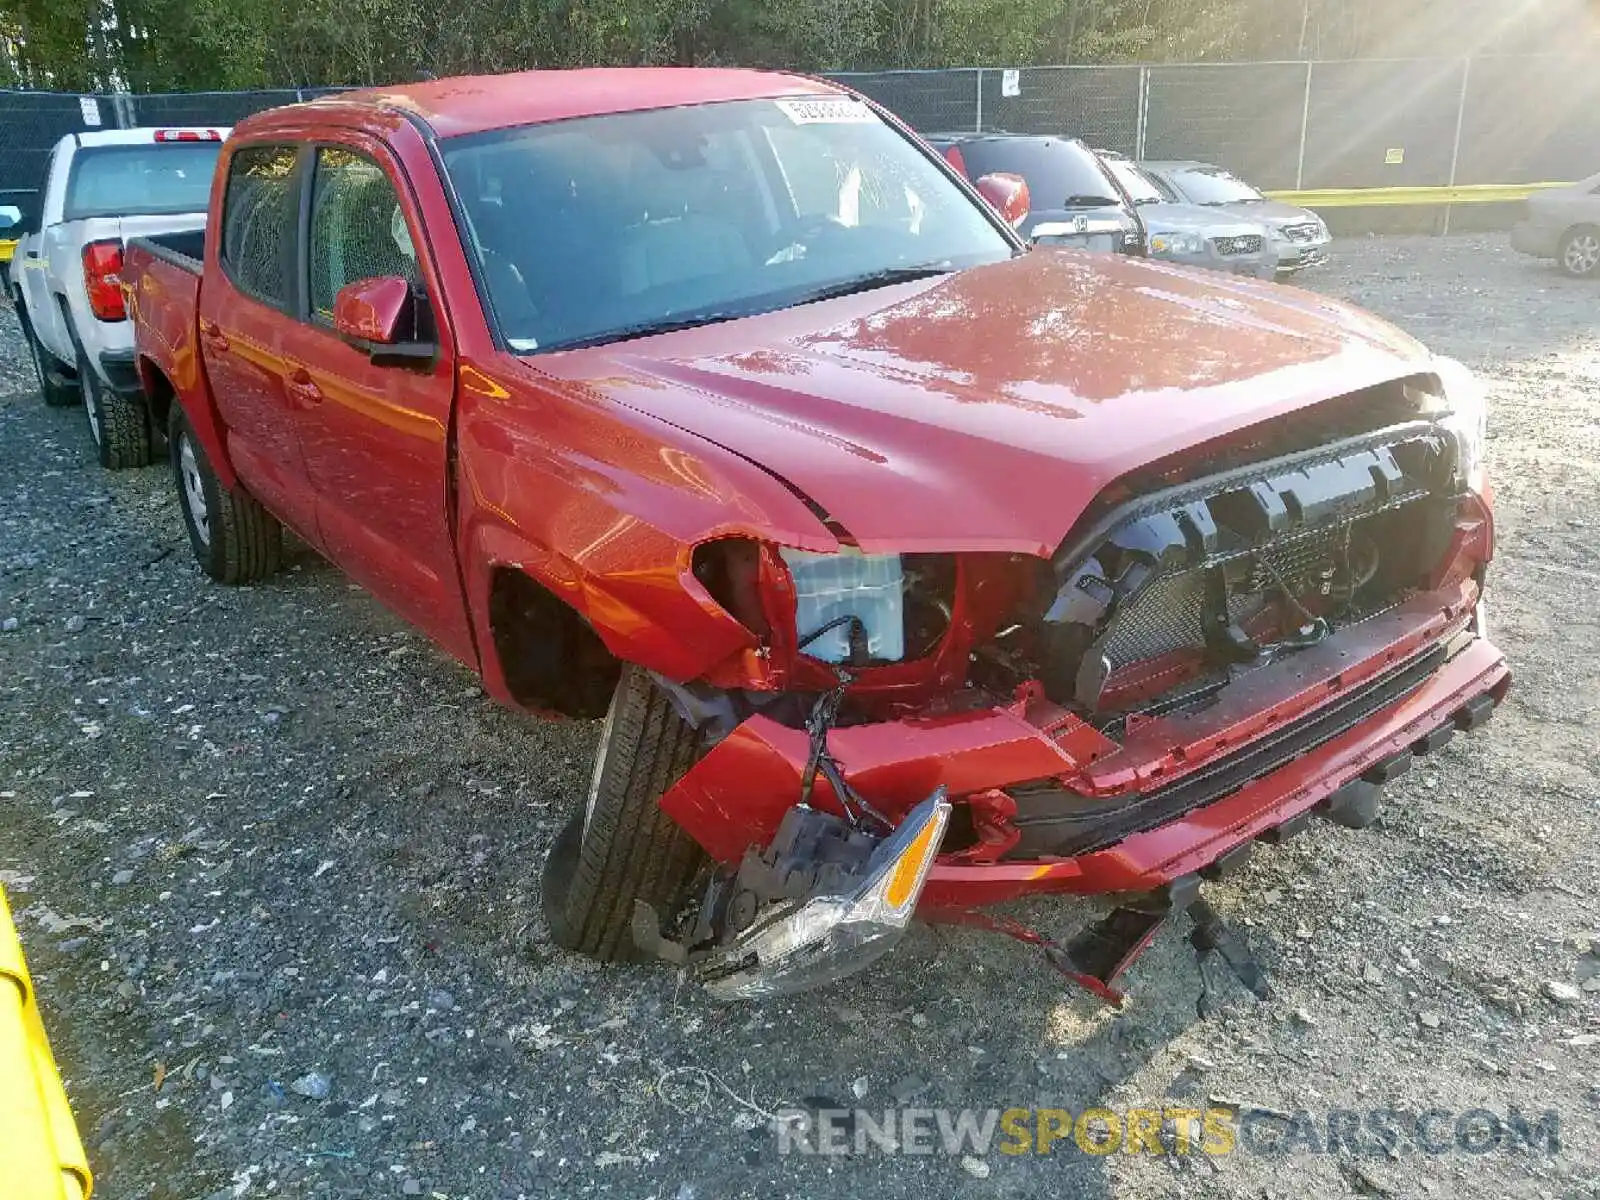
<point x="1248" y="243"/>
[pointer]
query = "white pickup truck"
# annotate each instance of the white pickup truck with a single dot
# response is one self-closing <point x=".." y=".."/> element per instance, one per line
<point x="101" y="189"/>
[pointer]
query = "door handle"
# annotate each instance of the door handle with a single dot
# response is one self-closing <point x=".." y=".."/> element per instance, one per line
<point x="215" y="338"/>
<point x="302" y="387"/>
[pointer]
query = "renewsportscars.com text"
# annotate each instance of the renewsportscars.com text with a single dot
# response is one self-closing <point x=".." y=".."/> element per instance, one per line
<point x="1164" y="1130"/>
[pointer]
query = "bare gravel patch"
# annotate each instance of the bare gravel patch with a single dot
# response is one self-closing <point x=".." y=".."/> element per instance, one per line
<point x="275" y="862"/>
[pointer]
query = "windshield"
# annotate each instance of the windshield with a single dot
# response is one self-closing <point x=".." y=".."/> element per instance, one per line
<point x="1139" y="186"/>
<point x="600" y="228"/>
<point x="1213" y="185"/>
<point x="152" y="179"/>
<point x="1060" y="174"/>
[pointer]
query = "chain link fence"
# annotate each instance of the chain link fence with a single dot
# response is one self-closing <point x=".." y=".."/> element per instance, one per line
<point x="1354" y="123"/>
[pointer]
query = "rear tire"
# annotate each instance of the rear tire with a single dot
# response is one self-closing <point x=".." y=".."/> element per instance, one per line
<point x="118" y="423"/>
<point x="622" y="847"/>
<point x="54" y="394"/>
<point x="1579" y="252"/>
<point x="234" y="539"/>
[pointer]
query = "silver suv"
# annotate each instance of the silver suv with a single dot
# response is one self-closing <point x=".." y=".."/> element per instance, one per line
<point x="1299" y="237"/>
<point x="1190" y="234"/>
<point x="1564" y="224"/>
<point x="102" y="188"/>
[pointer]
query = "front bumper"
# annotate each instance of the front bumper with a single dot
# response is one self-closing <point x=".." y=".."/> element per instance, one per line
<point x="1534" y="238"/>
<point x="1297" y="256"/>
<point x="1253" y="266"/>
<point x="736" y="796"/>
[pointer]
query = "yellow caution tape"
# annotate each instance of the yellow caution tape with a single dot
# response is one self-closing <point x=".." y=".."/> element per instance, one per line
<point x="1467" y="193"/>
<point x="43" y="1158"/>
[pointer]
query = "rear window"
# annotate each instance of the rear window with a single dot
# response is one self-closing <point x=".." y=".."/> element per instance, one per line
<point x="1060" y="174"/>
<point x="145" y="180"/>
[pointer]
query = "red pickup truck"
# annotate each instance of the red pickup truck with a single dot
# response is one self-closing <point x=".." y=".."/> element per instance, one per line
<point x="911" y="570"/>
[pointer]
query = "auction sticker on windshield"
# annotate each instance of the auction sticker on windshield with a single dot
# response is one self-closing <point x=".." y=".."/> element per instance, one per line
<point x="830" y="111"/>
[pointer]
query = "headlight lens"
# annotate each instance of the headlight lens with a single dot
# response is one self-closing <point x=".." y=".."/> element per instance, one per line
<point x="1462" y="408"/>
<point x="869" y="587"/>
<point x="1176" y="243"/>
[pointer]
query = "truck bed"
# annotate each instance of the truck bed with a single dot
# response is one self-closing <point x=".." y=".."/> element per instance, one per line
<point x="161" y="279"/>
<point x="185" y="249"/>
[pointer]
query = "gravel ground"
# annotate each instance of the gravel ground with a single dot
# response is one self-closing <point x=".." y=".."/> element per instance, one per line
<point x="266" y="842"/>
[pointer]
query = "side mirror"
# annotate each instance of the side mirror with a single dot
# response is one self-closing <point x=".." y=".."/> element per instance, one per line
<point x="10" y="216"/>
<point x="380" y="316"/>
<point x="371" y="310"/>
<point x="1008" y="195"/>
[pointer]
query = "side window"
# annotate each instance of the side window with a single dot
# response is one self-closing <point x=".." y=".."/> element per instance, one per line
<point x="358" y="229"/>
<point x="258" y="222"/>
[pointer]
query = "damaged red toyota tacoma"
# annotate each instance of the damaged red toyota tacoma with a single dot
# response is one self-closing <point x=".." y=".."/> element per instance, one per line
<point x="912" y="571"/>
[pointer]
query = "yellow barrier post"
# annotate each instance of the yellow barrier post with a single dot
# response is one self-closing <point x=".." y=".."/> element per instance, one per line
<point x="42" y="1158"/>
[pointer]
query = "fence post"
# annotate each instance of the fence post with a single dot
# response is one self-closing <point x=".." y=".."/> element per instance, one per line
<point x="1142" y="122"/>
<point x="1455" y="149"/>
<point x="1305" y="122"/>
<point x="977" y="120"/>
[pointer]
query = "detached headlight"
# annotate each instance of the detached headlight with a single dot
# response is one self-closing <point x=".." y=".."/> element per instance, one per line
<point x="830" y="936"/>
<point x="1462" y="409"/>
<point x="1176" y="243"/>
<point x="833" y="587"/>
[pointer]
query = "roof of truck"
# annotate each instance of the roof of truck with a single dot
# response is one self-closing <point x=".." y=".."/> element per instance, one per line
<point x="476" y="103"/>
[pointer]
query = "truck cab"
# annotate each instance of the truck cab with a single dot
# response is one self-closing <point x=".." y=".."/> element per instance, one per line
<point x="102" y="188"/>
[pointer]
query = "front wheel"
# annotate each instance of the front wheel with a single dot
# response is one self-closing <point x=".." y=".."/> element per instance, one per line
<point x="1579" y="254"/>
<point x="234" y="539"/>
<point x="622" y="847"/>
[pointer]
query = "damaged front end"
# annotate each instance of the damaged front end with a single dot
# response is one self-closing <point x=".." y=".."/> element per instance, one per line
<point x="1227" y="644"/>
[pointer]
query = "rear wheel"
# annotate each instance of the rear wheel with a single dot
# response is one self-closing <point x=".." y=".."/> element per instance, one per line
<point x="622" y="847"/>
<point x="56" y="394"/>
<point x="1579" y="254"/>
<point x="117" y="422"/>
<point x="234" y="539"/>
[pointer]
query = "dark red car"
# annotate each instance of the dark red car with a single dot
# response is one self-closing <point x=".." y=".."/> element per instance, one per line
<point x="910" y="570"/>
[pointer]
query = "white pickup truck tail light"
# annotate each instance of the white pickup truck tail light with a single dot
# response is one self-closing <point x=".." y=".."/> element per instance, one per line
<point x="102" y="280"/>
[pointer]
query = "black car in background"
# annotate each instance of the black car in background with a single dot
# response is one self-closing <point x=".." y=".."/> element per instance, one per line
<point x="1074" y="200"/>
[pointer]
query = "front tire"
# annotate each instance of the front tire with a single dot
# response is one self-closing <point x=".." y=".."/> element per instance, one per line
<point x="234" y="539"/>
<point x="117" y="422"/>
<point x="1579" y="252"/>
<point x="622" y="848"/>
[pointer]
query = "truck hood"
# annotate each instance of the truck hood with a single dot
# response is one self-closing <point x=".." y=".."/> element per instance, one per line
<point x="985" y="409"/>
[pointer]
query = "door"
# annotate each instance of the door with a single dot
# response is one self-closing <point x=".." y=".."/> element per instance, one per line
<point x="376" y="438"/>
<point x="245" y="309"/>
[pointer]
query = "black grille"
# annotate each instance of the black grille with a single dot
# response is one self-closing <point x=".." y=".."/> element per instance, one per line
<point x="1245" y="243"/>
<point x="1053" y="820"/>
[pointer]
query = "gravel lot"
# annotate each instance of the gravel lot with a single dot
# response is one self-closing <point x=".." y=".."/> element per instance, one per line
<point x="267" y="842"/>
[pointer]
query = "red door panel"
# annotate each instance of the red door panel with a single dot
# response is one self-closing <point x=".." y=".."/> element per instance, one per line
<point x="375" y="438"/>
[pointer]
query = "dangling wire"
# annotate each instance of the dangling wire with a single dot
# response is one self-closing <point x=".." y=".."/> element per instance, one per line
<point x="824" y="714"/>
